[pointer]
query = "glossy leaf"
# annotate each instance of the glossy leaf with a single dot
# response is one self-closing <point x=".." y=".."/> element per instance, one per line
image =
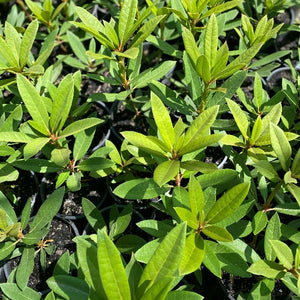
<point x="69" y="287"/>
<point x="193" y="254"/>
<point x="187" y="216"/>
<point x="228" y="203"/>
<point x="267" y="268"/>
<point x="217" y="233"/>
<point x="283" y="253"/>
<point x="165" y="260"/>
<point x="166" y="171"/>
<point x="163" y="121"/>
<point x="281" y="146"/>
<point x="196" y="196"/>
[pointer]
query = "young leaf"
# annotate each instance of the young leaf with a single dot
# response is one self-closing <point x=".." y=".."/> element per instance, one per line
<point x="165" y="259"/>
<point x="259" y="222"/>
<point x="27" y="42"/>
<point x="62" y="102"/>
<point x="211" y="40"/>
<point x="143" y="188"/>
<point x="196" y="197"/>
<point x="283" y="253"/>
<point x="281" y="146"/>
<point x="34" y="103"/>
<point x="186" y="215"/>
<point x="273" y="232"/>
<point x="193" y="254"/>
<point x="228" y="203"/>
<point x="267" y="268"/>
<point x="163" y="121"/>
<point x="13" y="40"/>
<point x="239" y="117"/>
<point x="126" y="20"/>
<point x="166" y="171"/>
<point x="217" y="233"/>
<point x="190" y="45"/>
<point x="258" y="91"/>
<point x="111" y="269"/>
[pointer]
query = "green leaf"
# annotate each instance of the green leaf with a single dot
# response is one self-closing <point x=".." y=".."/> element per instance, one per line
<point x="281" y="146"/>
<point x="87" y="252"/>
<point x="111" y="269"/>
<point x="8" y="173"/>
<point x="34" y="103"/>
<point x="266" y="169"/>
<point x="129" y="243"/>
<point x="34" y="147"/>
<point x="190" y="45"/>
<point x="37" y="165"/>
<point x="239" y="117"/>
<point x="228" y="203"/>
<point x="77" y="47"/>
<point x="199" y="129"/>
<point x="196" y="196"/>
<point x="25" y="267"/>
<point x="122" y="222"/>
<point x="13" y="40"/>
<point x="7" y="53"/>
<point x="61" y="156"/>
<point x="165" y="259"/>
<point x="25" y="214"/>
<point x="6" y="248"/>
<point x="211" y="40"/>
<point x="166" y="171"/>
<point x="219" y="176"/>
<point x="143" y="188"/>
<point x="155" y="228"/>
<point x="3" y="219"/>
<point x="210" y="260"/>
<point x="187" y="295"/>
<point x="79" y="126"/>
<point x="48" y="210"/>
<point x="126" y="20"/>
<point x="273" y="232"/>
<point x="193" y="254"/>
<point x="296" y="164"/>
<point x="133" y="271"/>
<point x="62" y="102"/>
<point x="131" y="53"/>
<point x="221" y="8"/>
<point x="217" y="233"/>
<point x="74" y="181"/>
<point x="144" y="31"/>
<point x="163" y="121"/>
<point x="203" y="68"/>
<point x="267" y="269"/>
<point x="256" y="129"/>
<point x="27" y="42"/>
<point x="93" y="215"/>
<point x="12" y="291"/>
<point x="258" y="91"/>
<point x="259" y="222"/>
<point x="95" y="164"/>
<point x="159" y="289"/>
<point x="69" y="287"/>
<point x="62" y="267"/>
<point x="283" y="253"/>
<point x="8" y="209"/>
<point x="143" y="142"/>
<point x="187" y="216"/>
<point x="295" y="191"/>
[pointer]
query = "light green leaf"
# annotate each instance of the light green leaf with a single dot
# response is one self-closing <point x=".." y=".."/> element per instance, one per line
<point x="144" y="188"/>
<point x="159" y="289"/>
<point x="7" y="53"/>
<point x="111" y="269"/>
<point x="217" y="233"/>
<point x="143" y="142"/>
<point x="61" y="156"/>
<point x="281" y="146"/>
<point x="196" y="196"/>
<point x="259" y="222"/>
<point x="193" y="254"/>
<point x="203" y="68"/>
<point x="165" y="259"/>
<point x="131" y="53"/>
<point x="34" y="103"/>
<point x="79" y="126"/>
<point x="186" y="215"/>
<point x="190" y="45"/>
<point x="228" y="203"/>
<point x="145" y="31"/>
<point x="239" y="117"/>
<point x="295" y="191"/>
<point x="27" y="42"/>
<point x="187" y="295"/>
<point x="273" y="232"/>
<point x="62" y="102"/>
<point x="266" y="169"/>
<point x="210" y="259"/>
<point x="258" y="91"/>
<point x="126" y="20"/>
<point x="166" y="171"/>
<point x="199" y="129"/>
<point x="13" y="40"/>
<point x="3" y="219"/>
<point x="283" y="253"/>
<point x="267" y="269"/>
<point x="34" y="147"/>
<point x="256" y="130"/>
<point x="163" y="121"/>
<point x="211" y="40"/>
<point x="69" y="287"/>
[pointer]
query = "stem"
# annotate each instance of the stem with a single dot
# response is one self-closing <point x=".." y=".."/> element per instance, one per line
<point x="21" y="3"/>
<point x="204" y="97"/>
<point x="272" y="195"/>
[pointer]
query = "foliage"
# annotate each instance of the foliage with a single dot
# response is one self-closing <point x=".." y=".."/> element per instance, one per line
<point x="205" y="177"/>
